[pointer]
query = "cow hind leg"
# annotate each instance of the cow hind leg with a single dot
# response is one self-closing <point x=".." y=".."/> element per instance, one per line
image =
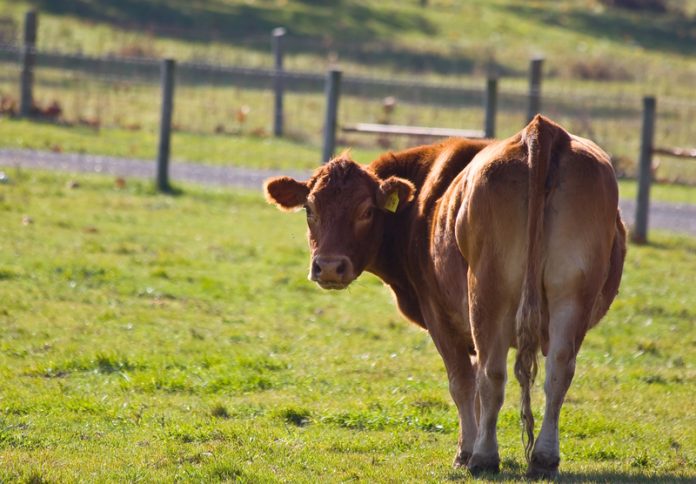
<point x="568" y="319"/>
<point x="491" y="377"/>
<point x="491" y="315"/>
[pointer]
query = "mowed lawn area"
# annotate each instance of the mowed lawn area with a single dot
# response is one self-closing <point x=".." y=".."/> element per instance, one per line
<point x="160" y="338"/>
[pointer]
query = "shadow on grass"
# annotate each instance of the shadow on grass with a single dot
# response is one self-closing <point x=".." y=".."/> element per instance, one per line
<point x="514" y="472"/>
<point x="211" y="20"/>
<point x="170" y="191"/>
<point x="356" y="31"/>
<point x="622" y="477"/>
<point x="682" y="242"/>
<point x="670" y="32"/>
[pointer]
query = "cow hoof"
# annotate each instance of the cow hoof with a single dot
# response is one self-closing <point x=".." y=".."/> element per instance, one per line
<point x="479" y="464"/>
<point x="543" y="467"/>
<point x="461" y="459"/>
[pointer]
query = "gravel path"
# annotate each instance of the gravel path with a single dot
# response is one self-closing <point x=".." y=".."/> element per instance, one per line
<point x="668" y="216"/>
<point x="108" y="165"/>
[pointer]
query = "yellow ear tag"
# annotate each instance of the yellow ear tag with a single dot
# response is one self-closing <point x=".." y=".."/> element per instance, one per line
<point x="392" y="202"/>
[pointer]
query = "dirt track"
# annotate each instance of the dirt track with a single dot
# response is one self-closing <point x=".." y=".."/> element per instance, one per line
<point x="667" y="216"/>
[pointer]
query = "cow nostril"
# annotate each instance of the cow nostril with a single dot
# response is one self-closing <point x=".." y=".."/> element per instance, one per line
<point x="316" y="268"/>
<point x="341" y="268"/>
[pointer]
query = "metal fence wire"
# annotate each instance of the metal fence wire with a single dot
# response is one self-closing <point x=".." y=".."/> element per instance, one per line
<point x="613" y="122"/>
<point x="675" y="128"/>
<point x="233" y="100"/>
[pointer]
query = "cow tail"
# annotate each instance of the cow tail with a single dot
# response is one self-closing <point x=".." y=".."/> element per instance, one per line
<point x="529" y="311"/>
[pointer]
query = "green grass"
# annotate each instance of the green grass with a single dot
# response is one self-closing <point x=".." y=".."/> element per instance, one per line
<point x="213" y="149"/>
<point x="157" y="338"/>
<point x="227" y="150"/>
<point x="662" y="192"/>
<point x="447" y="38"/>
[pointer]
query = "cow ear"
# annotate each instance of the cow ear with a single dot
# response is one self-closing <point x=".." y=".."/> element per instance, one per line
<point x="285" y="192"/>
<point x="395" y="193"/>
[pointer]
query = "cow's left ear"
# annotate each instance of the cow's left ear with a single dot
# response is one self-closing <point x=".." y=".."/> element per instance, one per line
<point x="285" y="192"/>
<point x="395" y="193"/>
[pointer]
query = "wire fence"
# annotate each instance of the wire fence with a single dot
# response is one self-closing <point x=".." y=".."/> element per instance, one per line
<point x="675" y="128"/>
<point x="124" y="93"/>
<point x="613" y="122"/>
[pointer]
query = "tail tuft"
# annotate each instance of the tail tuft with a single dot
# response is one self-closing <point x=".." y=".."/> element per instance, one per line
<point x="526" y="367"/>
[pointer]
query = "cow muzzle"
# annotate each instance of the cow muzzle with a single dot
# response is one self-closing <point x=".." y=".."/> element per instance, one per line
<point x="331" y="272"/>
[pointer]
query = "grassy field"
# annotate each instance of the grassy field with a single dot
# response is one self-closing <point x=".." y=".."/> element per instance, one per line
<point x="159" y="338"/>
<point x="662" y="192"/>
<point x="242" y="151"/>
<point x="249" y="151"/>
<point x="580" y="38"/>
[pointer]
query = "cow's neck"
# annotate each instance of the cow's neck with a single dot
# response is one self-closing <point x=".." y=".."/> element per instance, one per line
<point x="395" y="264"/>
<point x="405" y="233"/>
<point x="403" y="260"/>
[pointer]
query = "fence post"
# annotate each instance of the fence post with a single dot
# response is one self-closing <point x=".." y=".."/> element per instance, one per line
<point x="491" y="106"/>
<point x="333" y="85"/>
<point x="640" y="229"/>
<point x="28" y="62"/>
<point x="277" y="37"/>
<point x="534" y="96"/>
<point x="167" y="70"/>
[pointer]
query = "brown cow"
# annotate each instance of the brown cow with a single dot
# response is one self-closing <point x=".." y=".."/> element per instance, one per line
<point x="488" y="245"/>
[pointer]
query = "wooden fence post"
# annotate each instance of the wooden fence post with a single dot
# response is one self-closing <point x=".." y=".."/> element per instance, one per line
<point x="640" y="229"/>
<point x="333" y="86"/>
<point x="491" y="107"/>
<point x="534" y="96"/>
<point x="167" y="69"/>
<point x="277" y="37"/>
<point x="28" y="59"/>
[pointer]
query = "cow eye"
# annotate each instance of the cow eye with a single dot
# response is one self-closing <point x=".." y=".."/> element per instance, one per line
<point x="366" y="214"/>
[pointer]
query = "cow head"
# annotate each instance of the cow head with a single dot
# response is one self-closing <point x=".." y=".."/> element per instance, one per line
<point x="346" y="206"/>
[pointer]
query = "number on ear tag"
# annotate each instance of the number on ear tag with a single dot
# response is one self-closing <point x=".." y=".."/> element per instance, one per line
<point x="392" y="202"/>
